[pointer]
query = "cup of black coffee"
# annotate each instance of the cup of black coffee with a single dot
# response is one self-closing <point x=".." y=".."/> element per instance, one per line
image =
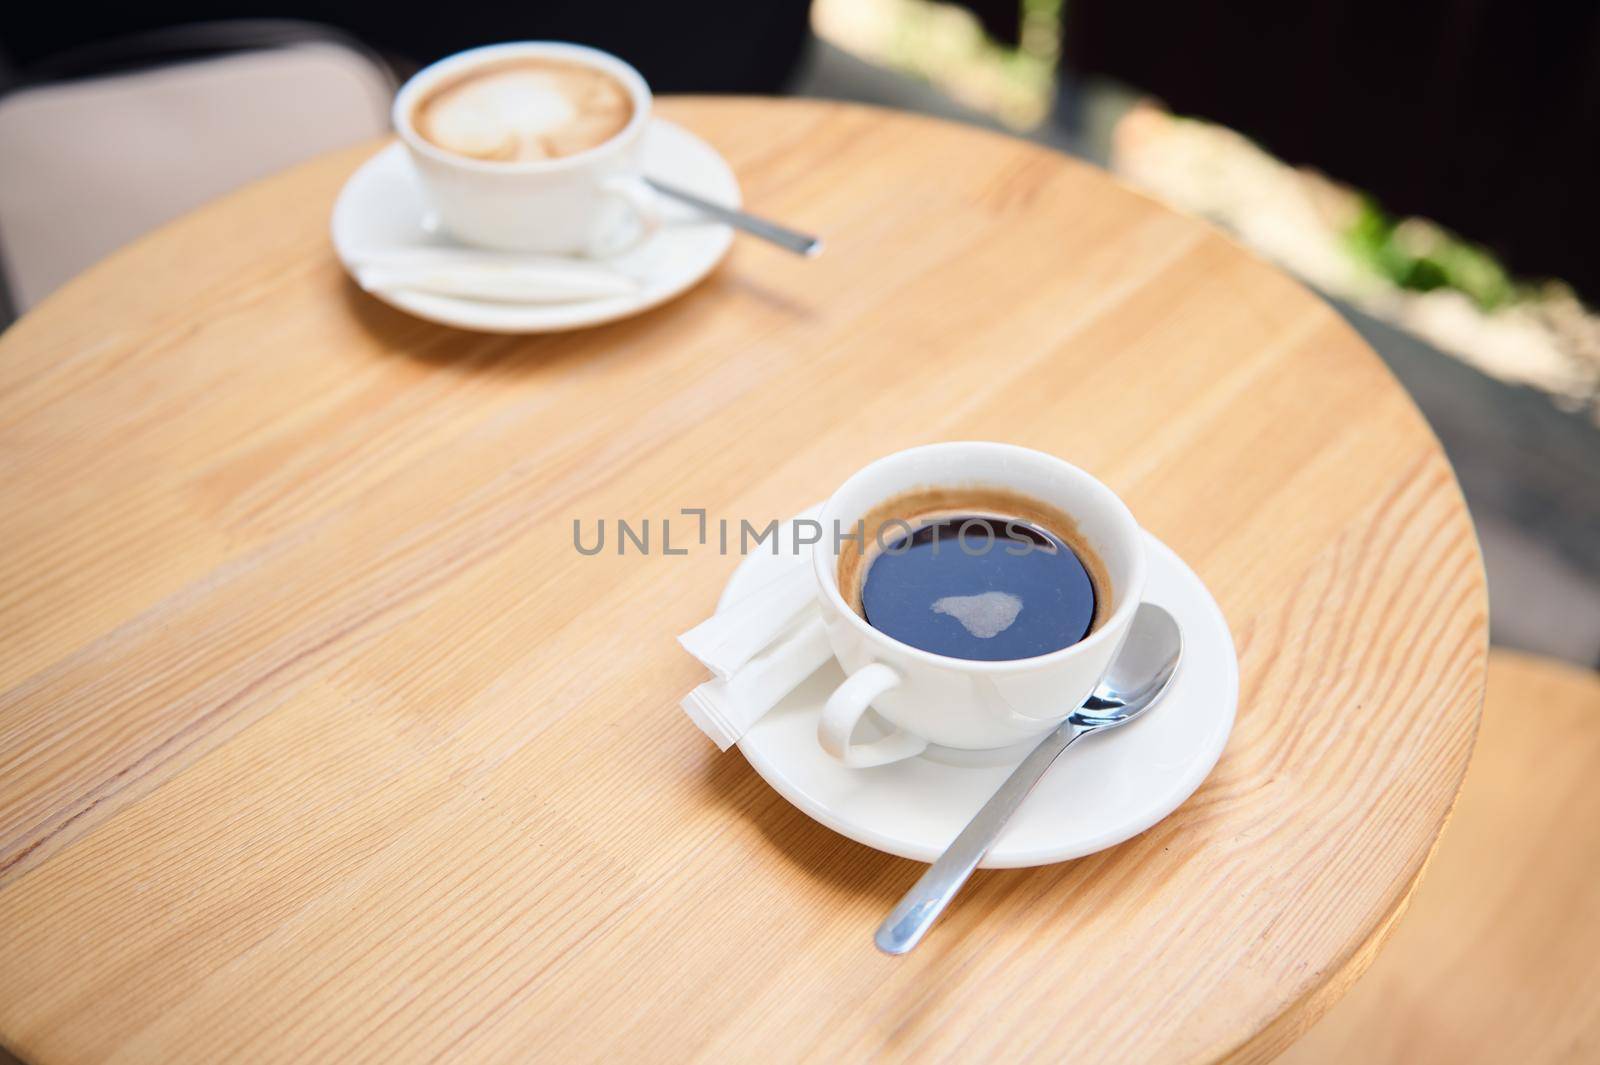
<point x="974" y="593"/>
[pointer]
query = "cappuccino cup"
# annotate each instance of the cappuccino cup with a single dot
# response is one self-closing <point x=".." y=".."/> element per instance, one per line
<point x="531" y="146"/>
<point x="1075" y="560"/>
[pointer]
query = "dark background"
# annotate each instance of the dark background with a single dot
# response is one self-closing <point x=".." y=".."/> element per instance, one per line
<point x="1483" y="115"/>
<point x="679" y="46"/>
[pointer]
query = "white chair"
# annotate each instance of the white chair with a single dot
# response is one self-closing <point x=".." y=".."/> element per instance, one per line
<point x="89" y="163"/>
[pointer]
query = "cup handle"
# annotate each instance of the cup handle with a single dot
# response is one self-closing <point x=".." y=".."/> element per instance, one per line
<point x="843" y="712"/>
<point x="642" y="201"/>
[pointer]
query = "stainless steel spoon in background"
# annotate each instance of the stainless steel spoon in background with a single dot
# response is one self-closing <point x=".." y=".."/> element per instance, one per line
<point x="1138" y="675"/>
<point x="784" y="237"/>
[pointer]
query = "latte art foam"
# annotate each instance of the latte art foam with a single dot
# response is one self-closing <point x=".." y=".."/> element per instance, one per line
<point x="524" y="111"/>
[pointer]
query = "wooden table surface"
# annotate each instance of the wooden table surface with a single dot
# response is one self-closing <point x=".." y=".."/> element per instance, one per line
<point x="319" y="741"/>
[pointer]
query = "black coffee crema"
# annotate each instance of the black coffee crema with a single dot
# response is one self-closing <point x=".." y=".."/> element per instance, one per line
<point x="979" y="587"/>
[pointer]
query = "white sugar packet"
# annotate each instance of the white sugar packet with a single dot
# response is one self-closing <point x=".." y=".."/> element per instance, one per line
<point x="724" y="709"/>
<point x="730" y="638"/>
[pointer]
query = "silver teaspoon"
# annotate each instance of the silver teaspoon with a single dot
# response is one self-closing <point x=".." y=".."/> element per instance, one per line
<point x="1138" y="676"/>
<point x="784" y="237"/>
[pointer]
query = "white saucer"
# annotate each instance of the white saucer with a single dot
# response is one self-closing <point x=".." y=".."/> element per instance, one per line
<point x="381" y="209"/>
<point x="1105" y="790"/>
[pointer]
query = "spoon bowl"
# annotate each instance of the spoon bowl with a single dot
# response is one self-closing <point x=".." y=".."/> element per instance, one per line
<point x="1141" y="671"/>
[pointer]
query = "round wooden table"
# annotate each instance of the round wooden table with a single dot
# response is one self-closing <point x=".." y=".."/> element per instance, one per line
<point x="321" y="742"/>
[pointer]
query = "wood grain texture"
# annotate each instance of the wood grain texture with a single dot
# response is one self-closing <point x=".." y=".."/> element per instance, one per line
<point x="1498" y="957"/>
<point x="321" y="742"/>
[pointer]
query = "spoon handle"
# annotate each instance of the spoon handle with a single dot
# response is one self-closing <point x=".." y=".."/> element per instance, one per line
<point x="916" y="911"/>
<point x="768" y="230"/>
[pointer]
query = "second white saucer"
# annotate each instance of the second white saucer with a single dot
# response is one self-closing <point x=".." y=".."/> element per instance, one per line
<point x="381" y="209"/>
<point x="1105" y="790"/>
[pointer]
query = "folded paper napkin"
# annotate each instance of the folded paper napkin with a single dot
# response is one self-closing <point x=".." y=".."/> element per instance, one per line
<point x="489" y="276"/>
<point x="760" y="648"/>
<point x="730" y="638"/>
<point x="725" y="709"/>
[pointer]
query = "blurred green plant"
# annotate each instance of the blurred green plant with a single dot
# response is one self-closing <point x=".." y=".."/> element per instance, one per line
<point x="1418" y="255"/>
<point x="945" y="45"/>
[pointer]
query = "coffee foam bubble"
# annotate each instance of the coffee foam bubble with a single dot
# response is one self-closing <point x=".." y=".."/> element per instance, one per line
<point x="985" y="615"/>
<point x="524" y="111"/>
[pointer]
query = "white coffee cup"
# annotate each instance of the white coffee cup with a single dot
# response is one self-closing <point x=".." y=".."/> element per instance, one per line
<point x="593" y="203"/>
<point x="955" y="702"/>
